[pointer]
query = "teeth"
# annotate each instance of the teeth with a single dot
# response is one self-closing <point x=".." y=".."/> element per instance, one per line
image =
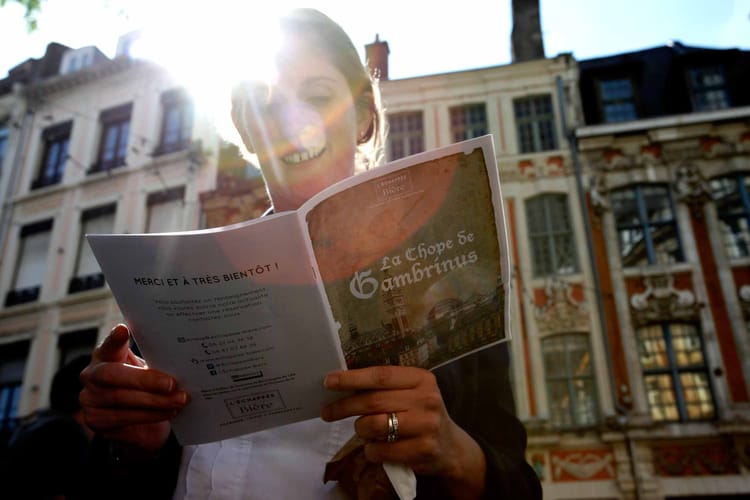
<point x="301" y="156"/>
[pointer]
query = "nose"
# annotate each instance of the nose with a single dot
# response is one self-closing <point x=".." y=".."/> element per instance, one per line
<point x="302" y="126"/>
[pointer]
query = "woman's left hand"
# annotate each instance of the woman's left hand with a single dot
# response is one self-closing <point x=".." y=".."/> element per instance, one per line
<point x="428" y="440"/>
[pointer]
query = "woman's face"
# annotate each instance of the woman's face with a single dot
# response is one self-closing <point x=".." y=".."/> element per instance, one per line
<point x="303" y="126"/>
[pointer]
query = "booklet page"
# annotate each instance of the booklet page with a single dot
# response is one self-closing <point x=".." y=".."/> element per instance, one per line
<point x="234" y="314"/>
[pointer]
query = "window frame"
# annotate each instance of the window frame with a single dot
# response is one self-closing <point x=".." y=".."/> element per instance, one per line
<point x="604" y="102"/>
<point x="179" y="101"/>
<point x="115" y="120"/>
<point x="162" y="197"/>
<point x="547" y="236"/>
<point x="56" y="139"/>
<point x="674" y="370"/>
<point x="645" y="225"/>
<point x="535" y="119"/>
<point x="15" y="295"/>
<point x="740" y="183"/>
<point x="700" y="90"/>
<point x="9" y="353"/>
<point x="80" y="283"/>
<point x="462" y="125"/>
<point x="404" y="134"/>
<point x="570" y="379"/>
<point x="4" y="139"/>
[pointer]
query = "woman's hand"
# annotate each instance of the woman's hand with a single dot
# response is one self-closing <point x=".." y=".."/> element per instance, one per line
<point x="428" y="440"/>
<point x="124" y="400"/>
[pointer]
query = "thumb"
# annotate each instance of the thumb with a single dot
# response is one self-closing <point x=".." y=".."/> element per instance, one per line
<point x="115" y="346"/>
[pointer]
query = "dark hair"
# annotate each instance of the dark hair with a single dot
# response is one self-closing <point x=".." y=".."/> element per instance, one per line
<point x="66" y="385"/>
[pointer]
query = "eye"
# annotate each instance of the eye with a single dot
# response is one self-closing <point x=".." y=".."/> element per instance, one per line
<point x="319" y="100"/>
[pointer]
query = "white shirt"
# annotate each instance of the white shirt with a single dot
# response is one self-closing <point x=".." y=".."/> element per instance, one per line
<point x="281" y="463"/>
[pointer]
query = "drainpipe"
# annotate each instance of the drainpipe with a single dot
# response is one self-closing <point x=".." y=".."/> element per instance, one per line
<point x="573" y="146"/>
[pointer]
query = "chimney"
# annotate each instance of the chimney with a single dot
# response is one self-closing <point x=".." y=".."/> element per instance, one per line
<point x="526" y="39"/>
<point x="376" y="54"/>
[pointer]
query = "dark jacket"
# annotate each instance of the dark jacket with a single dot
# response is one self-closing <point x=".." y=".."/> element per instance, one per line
<point x="478" y="396"/>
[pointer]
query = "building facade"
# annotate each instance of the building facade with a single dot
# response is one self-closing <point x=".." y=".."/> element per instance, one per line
<point x="95" y="146"/>
<point x="664" y="157"/>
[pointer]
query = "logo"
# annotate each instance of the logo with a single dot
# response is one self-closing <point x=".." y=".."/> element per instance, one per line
<point x="362" y="286"/>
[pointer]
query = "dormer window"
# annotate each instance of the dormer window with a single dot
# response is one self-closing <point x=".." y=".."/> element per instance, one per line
<point x="617" y="100"/>
<point x="708" y="88"/>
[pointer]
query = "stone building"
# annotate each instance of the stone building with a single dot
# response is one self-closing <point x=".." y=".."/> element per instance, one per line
<point x="88" y="145"/>
<point x="664" y="155"/>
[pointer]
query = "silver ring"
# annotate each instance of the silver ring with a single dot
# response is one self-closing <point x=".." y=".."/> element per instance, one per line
<point x="392" y="427"/>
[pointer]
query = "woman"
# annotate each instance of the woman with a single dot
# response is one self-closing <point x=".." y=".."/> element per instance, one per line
<point x="309" y="128"/>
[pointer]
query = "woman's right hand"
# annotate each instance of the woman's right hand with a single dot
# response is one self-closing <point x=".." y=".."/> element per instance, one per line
<point x="125" y="400"/>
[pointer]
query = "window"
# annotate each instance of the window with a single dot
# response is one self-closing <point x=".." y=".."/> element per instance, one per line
<point x="405" y="134"/>
<point x="12" y="364"/>
<point x="3" y="144"/>
<point x="708" y="87"/>
<point x="536" y="123"/>
<point x="32" y="263"/>
<point x="570" y="380"/>
<point x="733" y="206"/>
<point x="113" y="145"/>
<point x="100" y="220"/>
<point x="550" y="235"/>
<point x="617" y="100"/>
<point x="73" y="344"/>
<point x="165" y="210"/>
<point x="674" y="372"/>
<point x="646" y="226"/>
<point x="468" y="121"/>
<point x="56" y="140"/>
<point x="177" y="122"/>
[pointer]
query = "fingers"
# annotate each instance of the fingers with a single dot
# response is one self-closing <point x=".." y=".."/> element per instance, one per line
<point x="113" y="420"/>
<point x="114" y="347"/>
<point x="120" y="375"/>
<point x="378" y="377"/>
<point x="117" y="398"/>
<point x="422" y="393"/>
<point x="410" y="424"/>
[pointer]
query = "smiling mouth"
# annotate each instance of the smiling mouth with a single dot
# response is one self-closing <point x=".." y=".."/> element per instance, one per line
<point x="302" y="155"/>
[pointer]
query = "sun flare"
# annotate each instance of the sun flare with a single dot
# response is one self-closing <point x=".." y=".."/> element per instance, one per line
<point x="209" y="49"/>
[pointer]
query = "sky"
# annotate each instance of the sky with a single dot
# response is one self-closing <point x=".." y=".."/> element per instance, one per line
<point x="423" y="37"/>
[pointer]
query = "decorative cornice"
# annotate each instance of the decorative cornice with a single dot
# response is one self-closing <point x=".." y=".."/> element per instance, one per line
<point x="561" y="312"/>
<point x="77" y="78"/>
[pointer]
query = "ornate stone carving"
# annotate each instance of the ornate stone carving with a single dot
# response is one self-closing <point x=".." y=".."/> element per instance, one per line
<point x="582" y="465"/>
<point x="691" y="186"/>
<point x="650" y="156"/>
<point x="714" y="147"/>
<point x="661" y="301"/>
<point x="615" y="159"/>
<point x="561" y="312"/>
<point x="714" y="458"/>
<point x="599" y="192"/>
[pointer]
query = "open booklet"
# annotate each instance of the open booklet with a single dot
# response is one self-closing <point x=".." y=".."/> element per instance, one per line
<point x="404" y="264"/>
